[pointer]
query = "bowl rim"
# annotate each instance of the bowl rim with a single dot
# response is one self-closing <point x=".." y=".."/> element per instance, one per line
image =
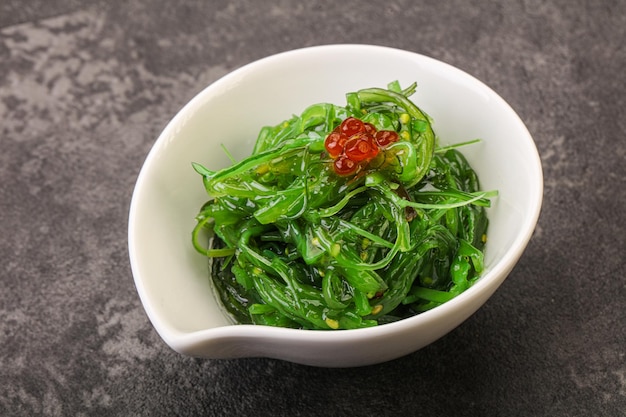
<point x="485" y="286"/>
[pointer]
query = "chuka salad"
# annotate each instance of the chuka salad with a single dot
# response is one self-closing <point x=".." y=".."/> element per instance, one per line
<point x="344" y="217"/>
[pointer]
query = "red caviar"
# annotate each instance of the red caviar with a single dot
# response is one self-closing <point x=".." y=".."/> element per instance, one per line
<point x="335" y="143"/>
<point x="351" y="126"/>
<point x="386" y="137"/>
<point x="344" y="165"/>
<point x="360" y="147"/>
<point x="369" y="128"/>
<point x="354" y="143"/>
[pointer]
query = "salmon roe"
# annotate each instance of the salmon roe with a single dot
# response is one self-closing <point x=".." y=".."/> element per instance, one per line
<point x="354" y="143"/>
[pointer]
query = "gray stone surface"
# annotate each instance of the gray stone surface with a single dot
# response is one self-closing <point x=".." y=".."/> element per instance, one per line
<point x="86" y="87"/>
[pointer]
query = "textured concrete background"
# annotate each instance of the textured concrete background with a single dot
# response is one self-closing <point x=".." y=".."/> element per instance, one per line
<point x="86" y="87"/>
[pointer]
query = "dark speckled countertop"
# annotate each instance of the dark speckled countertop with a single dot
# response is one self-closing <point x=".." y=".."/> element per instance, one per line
<point x="85" y="89"/>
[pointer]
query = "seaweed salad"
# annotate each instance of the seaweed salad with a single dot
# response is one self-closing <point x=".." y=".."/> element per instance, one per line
<point x="344" y="217"/>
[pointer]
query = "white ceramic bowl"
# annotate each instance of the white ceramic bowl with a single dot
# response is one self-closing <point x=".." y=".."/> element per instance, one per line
<point x="172" y="279"/>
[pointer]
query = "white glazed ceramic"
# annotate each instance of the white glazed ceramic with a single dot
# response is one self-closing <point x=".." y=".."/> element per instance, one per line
<point x="172" y="279"/>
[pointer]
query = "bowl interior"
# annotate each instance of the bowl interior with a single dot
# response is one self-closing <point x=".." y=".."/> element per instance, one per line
<point x="172" y="279"/>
